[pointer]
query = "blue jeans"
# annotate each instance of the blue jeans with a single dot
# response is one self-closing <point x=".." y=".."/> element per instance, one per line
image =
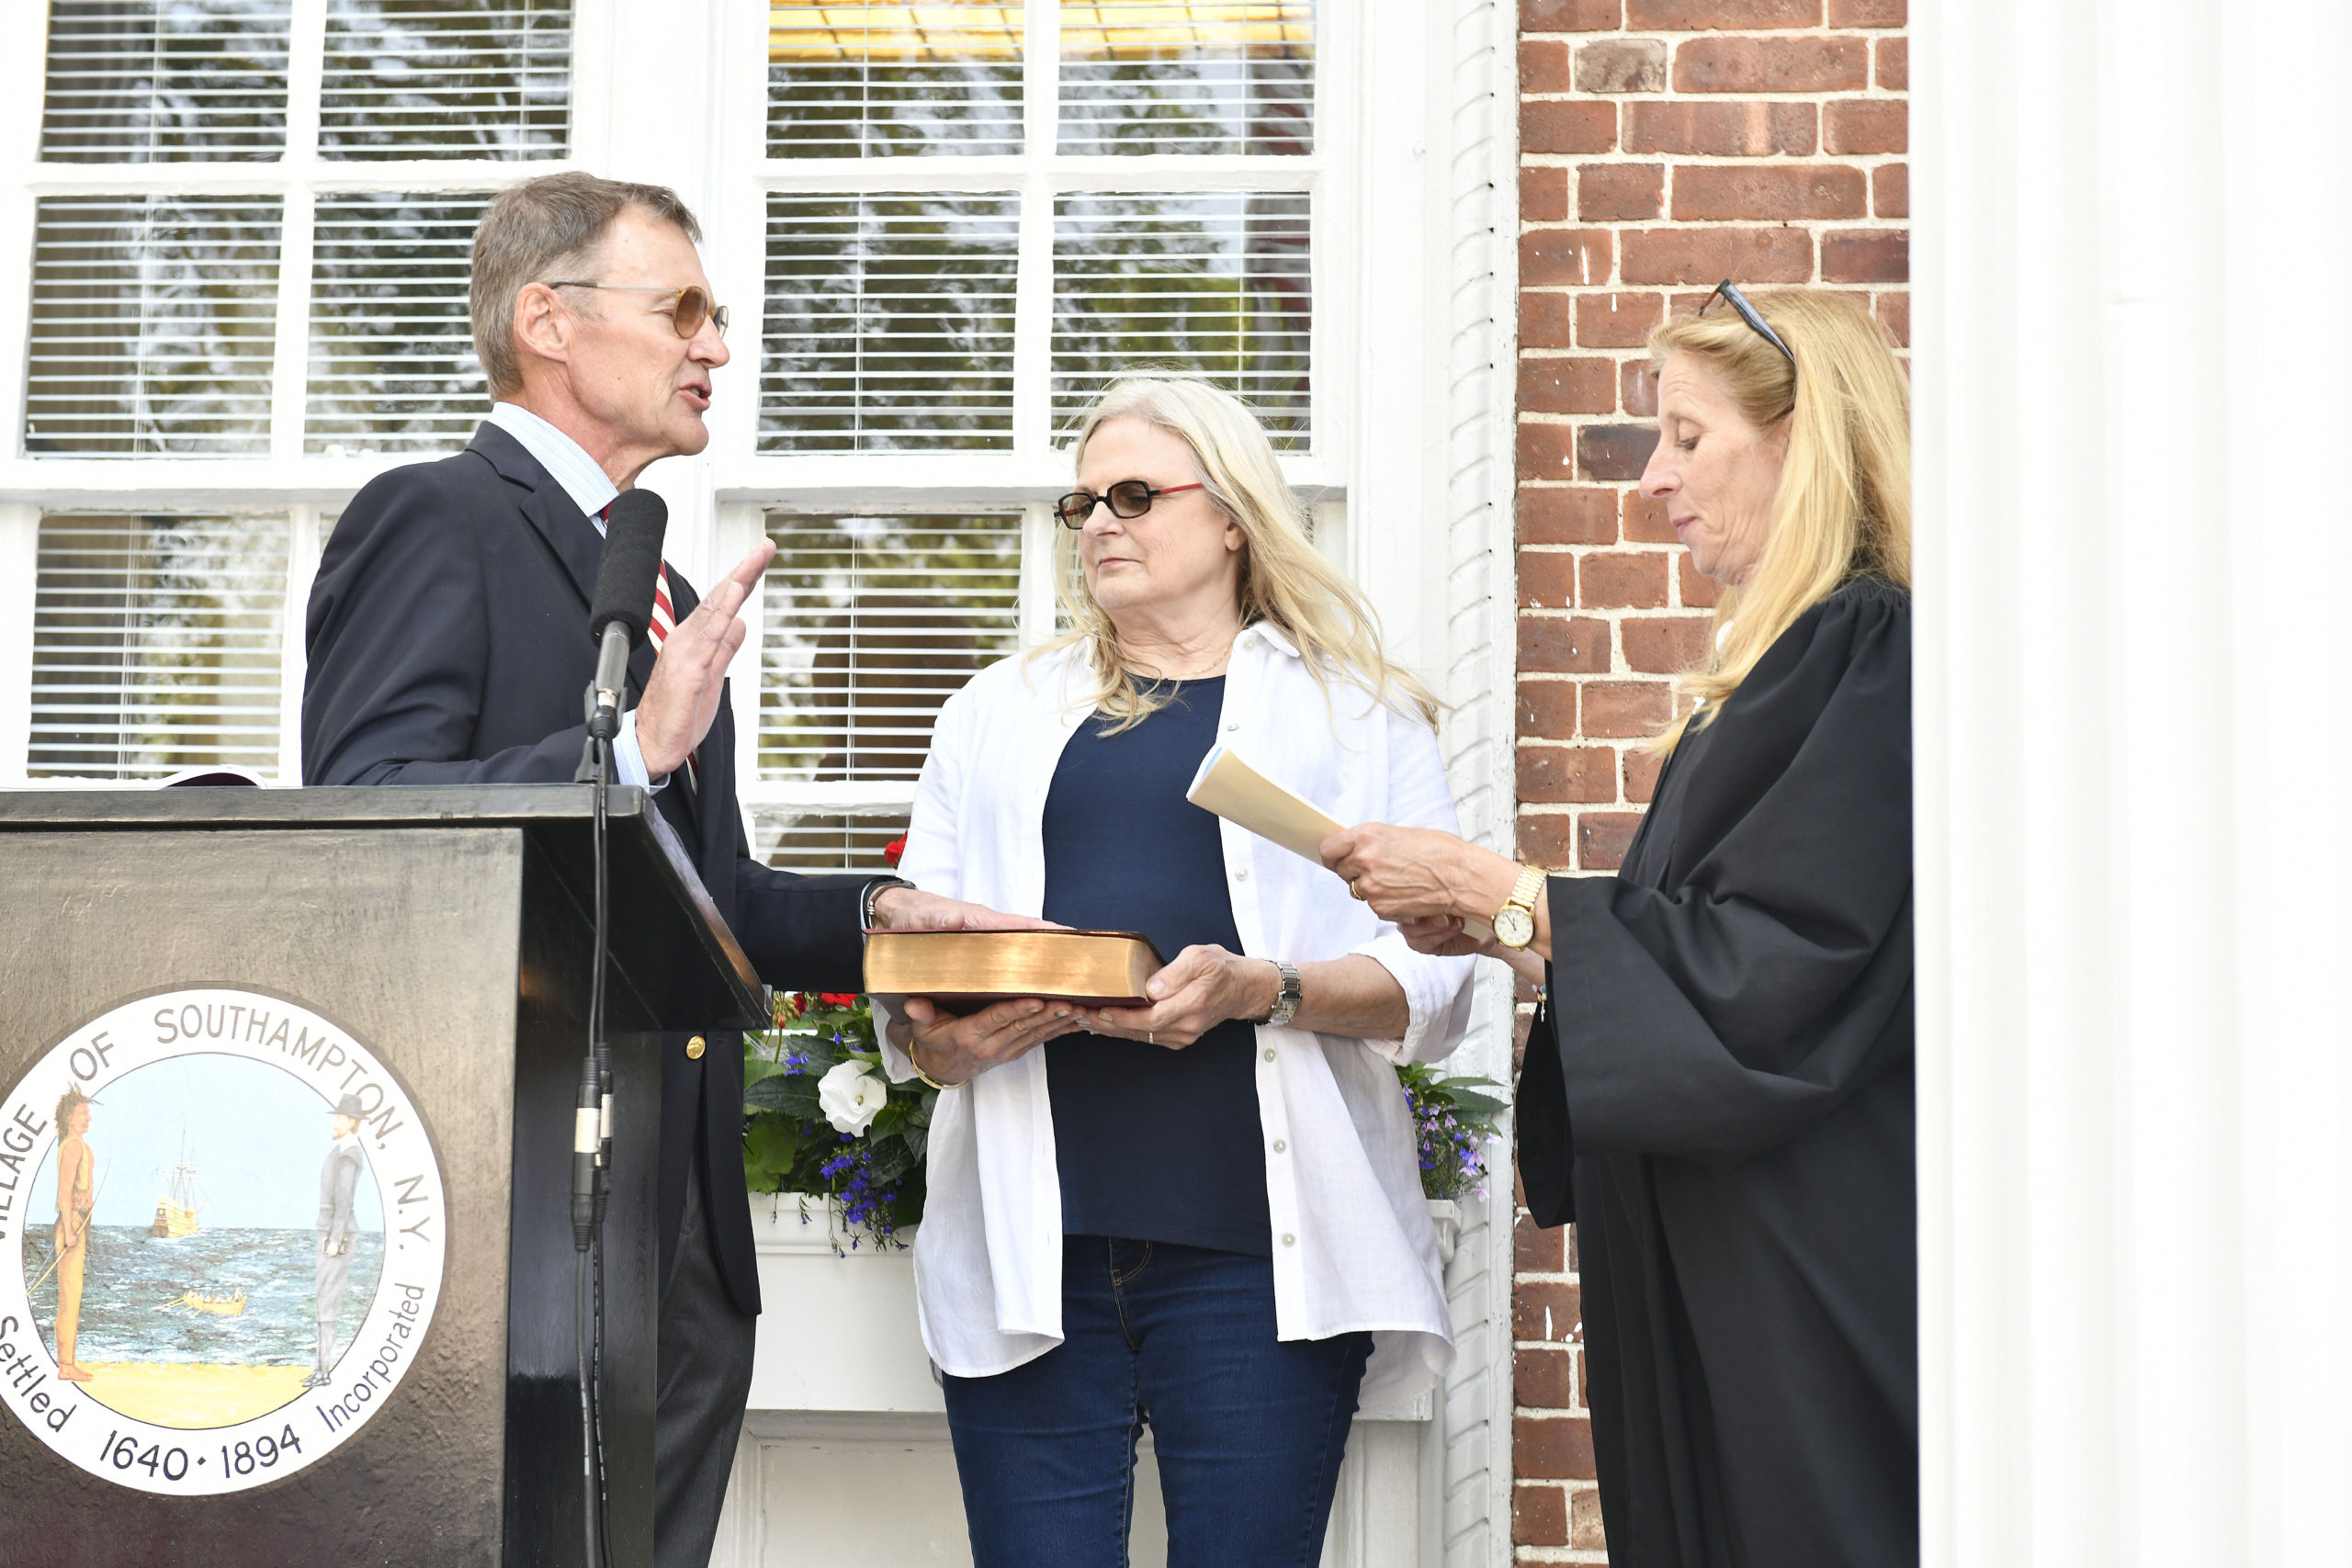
<point x="1249" y="1430"/>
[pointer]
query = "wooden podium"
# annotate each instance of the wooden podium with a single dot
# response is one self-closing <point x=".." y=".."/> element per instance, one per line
<point x="254" y="959"/>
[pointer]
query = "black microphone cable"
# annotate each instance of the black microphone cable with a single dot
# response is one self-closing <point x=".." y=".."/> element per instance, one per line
<point x="587" y="1158"/>
<point x="619" y="619"/>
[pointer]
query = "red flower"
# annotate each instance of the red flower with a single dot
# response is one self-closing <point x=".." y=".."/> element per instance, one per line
<point x="837" y="998"/>
<point x="893" y="850"/>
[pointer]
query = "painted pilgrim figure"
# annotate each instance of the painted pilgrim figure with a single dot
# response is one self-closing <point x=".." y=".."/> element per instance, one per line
<point x="338" y="1228"/>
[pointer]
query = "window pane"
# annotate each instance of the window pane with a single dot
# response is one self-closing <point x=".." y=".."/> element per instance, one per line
<point x="392" y="365"/>
<point x="156" y="645"/>
<point x="165" y="80"/>
<point x="812" y="843"/>
<point x="152" y="325"/>
<point x="871" y="623"/>
<point x="888" y="323"/>
<point x="446" y="78"/>
<point x="1188" y="76"/>
<point x="1214" y="286"/>
<point x="866" y="79"/>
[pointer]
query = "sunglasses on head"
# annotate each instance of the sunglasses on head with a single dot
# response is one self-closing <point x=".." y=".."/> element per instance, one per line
<point x="1728" y="292"/>
<point x="694" y="302"/>
<point x="1128" y="498"/>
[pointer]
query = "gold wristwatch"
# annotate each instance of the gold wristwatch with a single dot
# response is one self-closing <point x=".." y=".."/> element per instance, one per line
<point x="1515" y="921"/>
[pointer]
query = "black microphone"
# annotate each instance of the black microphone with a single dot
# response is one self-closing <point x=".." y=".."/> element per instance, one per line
<point x="623" y="607"/>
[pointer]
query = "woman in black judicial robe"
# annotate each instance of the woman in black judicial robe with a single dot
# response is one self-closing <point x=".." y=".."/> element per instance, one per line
<point x="1718" y="1088"/>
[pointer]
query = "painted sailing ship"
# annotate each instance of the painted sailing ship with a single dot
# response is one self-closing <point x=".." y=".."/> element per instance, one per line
<point x="177" y="1210"/>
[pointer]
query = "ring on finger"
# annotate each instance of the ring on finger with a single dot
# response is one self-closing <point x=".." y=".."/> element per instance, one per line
<point x="1355" y="889"/>
<point x="1151" y="1037"/>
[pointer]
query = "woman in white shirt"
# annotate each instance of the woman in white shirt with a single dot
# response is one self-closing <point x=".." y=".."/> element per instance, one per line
<point x="1205" y="1214"/>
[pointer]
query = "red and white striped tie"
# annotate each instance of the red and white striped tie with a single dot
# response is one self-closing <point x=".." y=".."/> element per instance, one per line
<point x="664" y="621"/>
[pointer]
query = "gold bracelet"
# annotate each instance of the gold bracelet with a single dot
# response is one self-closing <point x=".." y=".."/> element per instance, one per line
<point x="942" y="1088"/>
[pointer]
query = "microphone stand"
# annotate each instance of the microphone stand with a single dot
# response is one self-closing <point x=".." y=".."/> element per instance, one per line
<point x="592" y="1135"/>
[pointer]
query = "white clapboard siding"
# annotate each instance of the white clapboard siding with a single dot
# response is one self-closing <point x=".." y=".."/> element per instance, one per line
<point x="868" y="79"/>
<point x="157" y="645"/>
<point x="1198" y="76"/>
<point x="1216" y="284"/>
<point x="869" y="625"/>
<point x="888" y="323"/>
<point x="164" y="81"/>
<point x="153" y="325"/>
<point x="391" y="355"/>
<point x="457" y="79"/>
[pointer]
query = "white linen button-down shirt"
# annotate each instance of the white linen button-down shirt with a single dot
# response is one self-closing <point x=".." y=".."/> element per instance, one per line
<point x="1353" y="1248"/>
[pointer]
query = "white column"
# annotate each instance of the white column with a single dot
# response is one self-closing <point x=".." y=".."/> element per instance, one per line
<point x="2134" y="543"/>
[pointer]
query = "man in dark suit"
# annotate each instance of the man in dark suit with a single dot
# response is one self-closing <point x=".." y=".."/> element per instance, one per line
<point x="448" y="642"/>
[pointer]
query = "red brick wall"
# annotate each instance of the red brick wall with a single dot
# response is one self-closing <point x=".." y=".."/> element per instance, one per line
<point x="1663" y="144"/>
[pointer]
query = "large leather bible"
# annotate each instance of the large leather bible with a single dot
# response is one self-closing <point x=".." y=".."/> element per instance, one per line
<point x="964" y="971"/>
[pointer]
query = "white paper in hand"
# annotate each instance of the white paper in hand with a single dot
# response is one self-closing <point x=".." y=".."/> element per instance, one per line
<point x="1245" y="797"/>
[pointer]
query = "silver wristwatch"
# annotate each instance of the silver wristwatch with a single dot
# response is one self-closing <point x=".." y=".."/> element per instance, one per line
<point x="1285" y="1005"/>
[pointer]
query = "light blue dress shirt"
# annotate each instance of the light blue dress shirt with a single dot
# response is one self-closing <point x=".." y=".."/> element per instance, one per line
<point x="592" y="490"/>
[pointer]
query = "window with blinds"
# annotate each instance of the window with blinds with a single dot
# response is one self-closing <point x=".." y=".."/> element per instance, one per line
<point x="392" y="365"/>
<point x="888" y="323"/>
<point x="145" y="81"/>
<point x="892" y="315"/>
<point x="870" y="624"/>
<point x="1217" y="285"/>
<point x="876" y="80"/>
<point x="157" y="645"/>
<point x="153" y="325"/>
<point x="446" y="78"/>
<point x="1188" y="76"/>
<point x="812" y="843"/>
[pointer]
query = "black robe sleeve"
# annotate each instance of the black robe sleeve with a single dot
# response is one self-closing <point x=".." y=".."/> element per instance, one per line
<point x="1752" y="967"/>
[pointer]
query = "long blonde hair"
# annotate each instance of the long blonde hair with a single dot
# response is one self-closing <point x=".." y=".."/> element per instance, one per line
<point x="1283" y="581"/>
<point x="1844" y="506"/>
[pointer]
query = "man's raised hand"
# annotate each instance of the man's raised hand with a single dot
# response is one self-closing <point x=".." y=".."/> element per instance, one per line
<point x="681" y="699"/>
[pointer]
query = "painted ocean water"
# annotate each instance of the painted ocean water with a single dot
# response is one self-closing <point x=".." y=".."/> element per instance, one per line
<point x="133" y="1282"/>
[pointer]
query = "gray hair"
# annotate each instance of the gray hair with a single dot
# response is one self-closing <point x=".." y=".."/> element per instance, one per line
<point x="547" y="228"/>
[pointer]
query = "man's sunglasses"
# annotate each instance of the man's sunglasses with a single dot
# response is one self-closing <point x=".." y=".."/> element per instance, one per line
<point x="694" y="304"/>
<point x="1128" y="498"/>
<point x="1728" y="292"/>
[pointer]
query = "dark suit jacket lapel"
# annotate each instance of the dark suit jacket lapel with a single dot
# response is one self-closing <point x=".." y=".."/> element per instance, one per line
<point x="549" y="508"/>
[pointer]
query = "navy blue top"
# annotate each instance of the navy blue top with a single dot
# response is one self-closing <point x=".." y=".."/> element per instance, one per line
<point x="1153" y="1144"/>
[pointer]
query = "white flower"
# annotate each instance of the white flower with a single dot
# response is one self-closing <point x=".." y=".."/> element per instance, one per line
<point x="851" y="1095"/>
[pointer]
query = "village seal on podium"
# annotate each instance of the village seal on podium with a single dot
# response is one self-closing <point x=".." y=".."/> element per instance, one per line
<point x="221" y="1240"/>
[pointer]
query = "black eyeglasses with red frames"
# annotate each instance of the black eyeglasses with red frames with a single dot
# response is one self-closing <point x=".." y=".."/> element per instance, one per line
<point x="694" y="302"/>
<point x="1128" y="498"/>
<point x="1728" y="292"/>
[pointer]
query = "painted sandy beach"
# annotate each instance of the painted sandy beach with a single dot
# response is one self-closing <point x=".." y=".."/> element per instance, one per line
<point x="192" y="1397"/>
